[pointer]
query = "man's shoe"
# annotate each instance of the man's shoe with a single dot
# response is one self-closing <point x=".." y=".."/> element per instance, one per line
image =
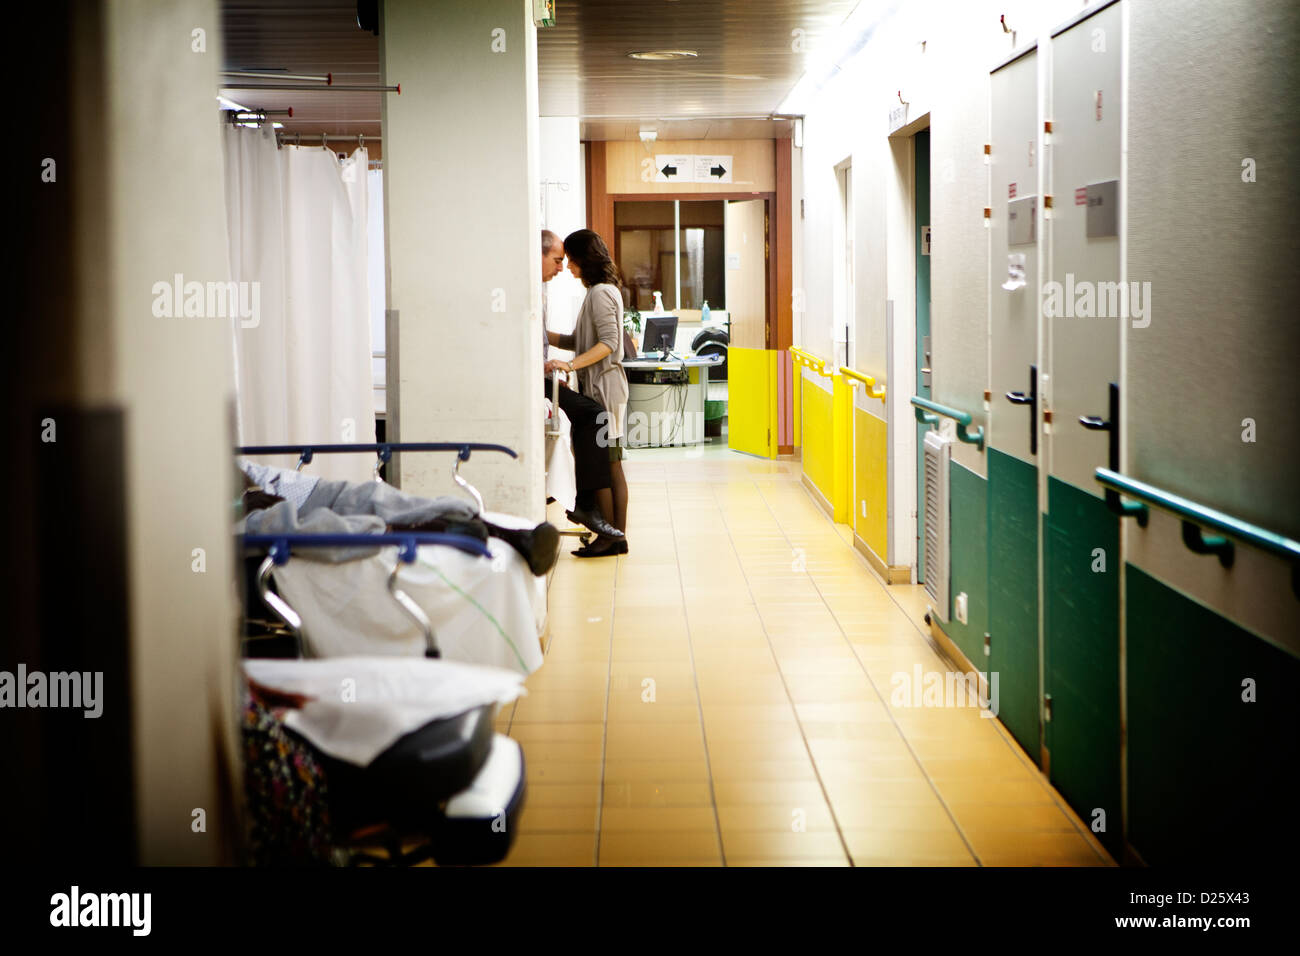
<point x="594" y="521"/>
<point x="540" y="546"/>
<point x="603" y="548"/>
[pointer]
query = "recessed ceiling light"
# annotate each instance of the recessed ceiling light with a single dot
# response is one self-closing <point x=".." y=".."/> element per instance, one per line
<point x="663" y="54"/>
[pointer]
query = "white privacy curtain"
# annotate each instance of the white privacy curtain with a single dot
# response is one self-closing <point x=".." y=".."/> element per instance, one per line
<point x="296" y="221"/>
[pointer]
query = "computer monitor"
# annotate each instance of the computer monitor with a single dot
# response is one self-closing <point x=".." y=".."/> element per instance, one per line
<point x="660" y="334"/>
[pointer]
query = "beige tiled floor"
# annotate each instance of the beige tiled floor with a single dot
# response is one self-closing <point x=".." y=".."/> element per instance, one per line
<point x="721" y="695"/>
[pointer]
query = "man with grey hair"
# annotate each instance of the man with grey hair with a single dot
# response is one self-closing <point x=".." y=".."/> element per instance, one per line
<point x="590" y="460"/>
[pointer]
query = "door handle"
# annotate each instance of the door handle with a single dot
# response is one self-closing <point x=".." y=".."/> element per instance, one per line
<point x="1020" y="398"/>
<point x="1098" y="424"/>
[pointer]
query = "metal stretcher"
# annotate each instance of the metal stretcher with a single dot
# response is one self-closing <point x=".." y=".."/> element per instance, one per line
<point x="287" y="622"/>
<point x="452" y="790"/>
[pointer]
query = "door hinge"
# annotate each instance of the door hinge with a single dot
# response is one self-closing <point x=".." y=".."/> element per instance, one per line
<point x="1047" y="708"/>
<point x="988" y="644"/>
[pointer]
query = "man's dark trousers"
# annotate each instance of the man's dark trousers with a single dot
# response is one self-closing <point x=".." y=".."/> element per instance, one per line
<point x="590" y="460"/>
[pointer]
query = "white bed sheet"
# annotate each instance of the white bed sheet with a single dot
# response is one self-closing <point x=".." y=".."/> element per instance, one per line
<point x="361" y="706"/>
<point x="561" y="476"/>
<point x="484" y="611"/>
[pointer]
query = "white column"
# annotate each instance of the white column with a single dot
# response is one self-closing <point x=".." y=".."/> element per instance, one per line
<point x="462" y="213"/>
<point x="161" y="213"/>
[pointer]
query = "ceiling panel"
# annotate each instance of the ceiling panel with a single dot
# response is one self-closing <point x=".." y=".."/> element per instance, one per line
<point x="750" y="56"/>
<point x="629" y="128"/>
<point x="305" y="36"/>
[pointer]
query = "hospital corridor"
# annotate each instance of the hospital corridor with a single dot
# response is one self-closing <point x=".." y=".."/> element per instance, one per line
<point x="495" y="448"/>
<point x="724" y="696"/>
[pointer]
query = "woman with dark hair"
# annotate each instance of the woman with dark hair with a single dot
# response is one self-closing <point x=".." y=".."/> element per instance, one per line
<point x="597" y="339"/>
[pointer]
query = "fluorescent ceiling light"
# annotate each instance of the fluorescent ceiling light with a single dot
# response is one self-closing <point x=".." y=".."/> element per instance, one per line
<point x="836" y="50"/>
<point x="232" y="105"/>
<point x="663" y="54"/>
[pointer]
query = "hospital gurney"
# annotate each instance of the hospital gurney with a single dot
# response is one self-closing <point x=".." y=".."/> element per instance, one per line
<point x="410" y="757"/>
<point x="490" y="610"/>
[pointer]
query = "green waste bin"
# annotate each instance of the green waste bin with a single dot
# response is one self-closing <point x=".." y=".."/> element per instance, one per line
<point x="714" y="412"/>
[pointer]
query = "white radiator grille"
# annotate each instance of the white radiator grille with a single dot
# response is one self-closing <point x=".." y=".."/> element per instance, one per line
<point x="937" y="453"/>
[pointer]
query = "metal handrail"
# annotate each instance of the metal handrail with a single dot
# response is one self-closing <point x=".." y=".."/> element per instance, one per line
<point x="964" y="432"/>
<point x="1197" y="517"/>
<point x="866" y="380"/>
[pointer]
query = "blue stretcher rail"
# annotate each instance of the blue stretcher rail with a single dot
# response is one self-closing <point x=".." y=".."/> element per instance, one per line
<point x="305" y="452"/>
<point x="280" y="546"/>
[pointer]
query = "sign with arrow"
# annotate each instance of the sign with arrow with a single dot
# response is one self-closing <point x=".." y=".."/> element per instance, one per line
<point x="674" y="169"/>
<point x="713" y="169"/>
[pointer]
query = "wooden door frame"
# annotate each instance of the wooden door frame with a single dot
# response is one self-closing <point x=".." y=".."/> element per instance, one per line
<point x="779" y="331"/>
<point x="769" y="203"/>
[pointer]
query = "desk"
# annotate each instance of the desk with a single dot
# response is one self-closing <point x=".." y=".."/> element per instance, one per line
<point x="661" y="411"/>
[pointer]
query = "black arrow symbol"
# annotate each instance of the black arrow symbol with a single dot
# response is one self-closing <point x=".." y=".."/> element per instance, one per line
<point x="669" y="170"/>
<point x="717" y="171"/>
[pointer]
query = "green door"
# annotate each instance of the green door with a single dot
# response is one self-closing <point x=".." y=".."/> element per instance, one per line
<point x="922" y="147"/>
<point x="1081" y="557"/>
<point x="1013" y="410"/>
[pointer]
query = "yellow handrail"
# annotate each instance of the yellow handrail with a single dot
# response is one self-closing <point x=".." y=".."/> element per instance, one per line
<point x="866" y="380"/>
<point x="812" y="361"/>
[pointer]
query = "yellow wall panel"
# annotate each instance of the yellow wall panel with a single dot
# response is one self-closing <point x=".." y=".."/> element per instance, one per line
<point x="872" y="450"/>
<point x="818" y="456"/>
<point x="797" y="396"/>
<point x="841" y="496"/>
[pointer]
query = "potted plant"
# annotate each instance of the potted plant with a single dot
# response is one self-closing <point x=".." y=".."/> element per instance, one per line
<point x="632" y="321"/>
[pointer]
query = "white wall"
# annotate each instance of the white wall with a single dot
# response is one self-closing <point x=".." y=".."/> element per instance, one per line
<point x="946" y="78"/>
<point x="563" y="210"/>
<point x="934" y="58"/>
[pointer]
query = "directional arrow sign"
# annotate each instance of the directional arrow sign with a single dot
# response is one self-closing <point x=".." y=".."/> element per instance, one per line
<point x="674" y="169"/>
<point x="712" y="169"/>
